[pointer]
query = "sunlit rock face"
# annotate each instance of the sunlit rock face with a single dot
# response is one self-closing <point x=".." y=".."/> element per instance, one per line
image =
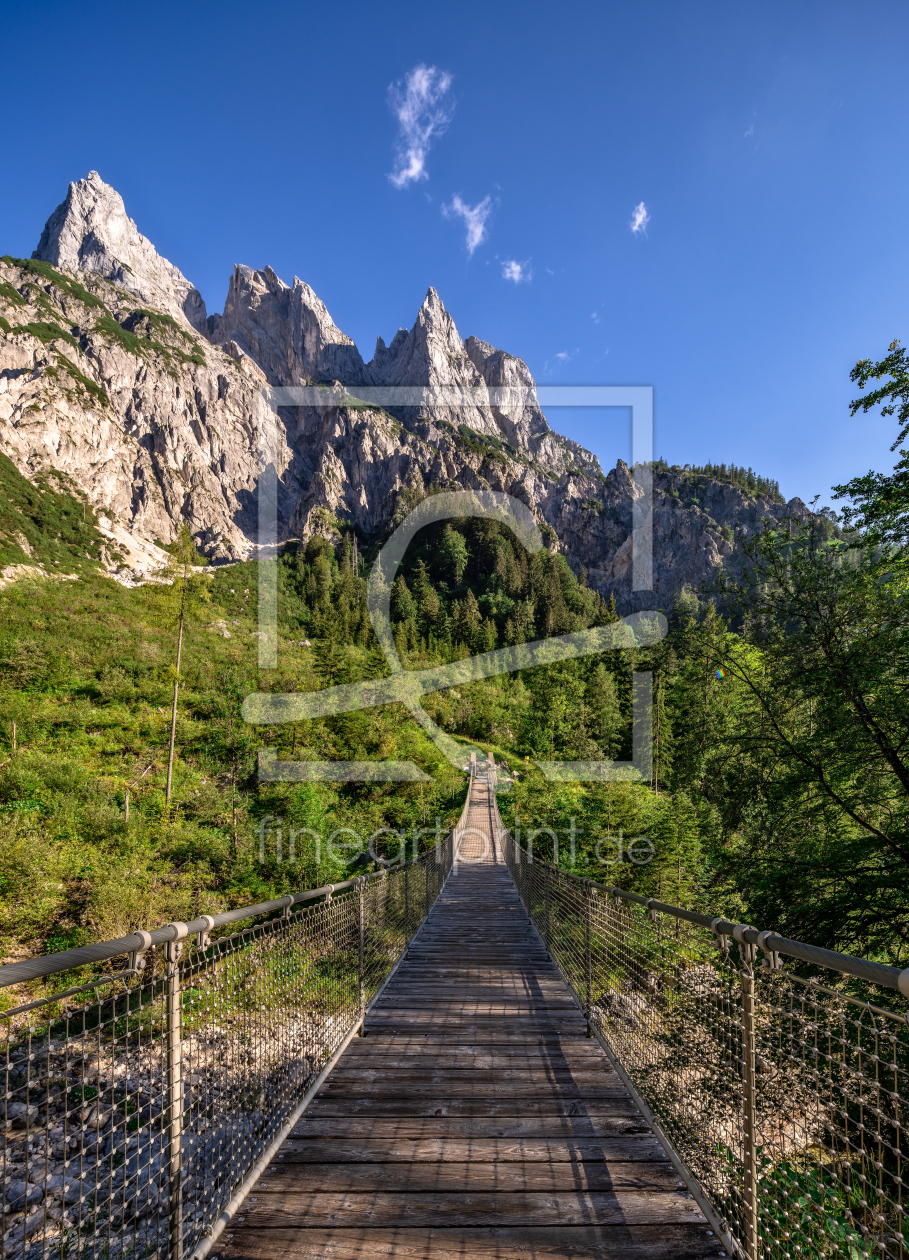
<point x="90" y="231"/>
<point x="112" y="374"/>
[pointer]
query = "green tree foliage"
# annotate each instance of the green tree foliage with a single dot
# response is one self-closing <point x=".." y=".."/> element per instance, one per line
<point x="453" y="555"/>
<point x="511" y="597"/>
<point x="880" y="502"/>
<point x="188" y="595"/>
<point x="806" y="755"/>
<point x="693" y="477"/>
<point x="781" y="764"/>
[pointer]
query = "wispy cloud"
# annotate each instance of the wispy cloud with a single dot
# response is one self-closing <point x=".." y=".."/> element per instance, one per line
<point x="640" y="219"/>
<point x="420" y="102"/>
<point x="474" y="218"/>
<point x="595" y="316"/>
<point x="750" y="131"/>
<point x="516" y="271"/>
<point x="559" y="360"/>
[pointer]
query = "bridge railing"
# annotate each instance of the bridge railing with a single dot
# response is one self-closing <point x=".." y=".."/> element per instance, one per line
<point x="776" y="1072"/>
<point x="144" y="1097"/>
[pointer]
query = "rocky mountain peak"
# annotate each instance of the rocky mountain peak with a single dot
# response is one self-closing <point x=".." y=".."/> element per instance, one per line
<point x="432" y="355"/>
<point x="286" y="330"/>
<point x="91" y="231"/>
<point x="158" y="426"/>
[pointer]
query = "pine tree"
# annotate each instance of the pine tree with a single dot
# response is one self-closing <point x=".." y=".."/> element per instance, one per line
<point x="466" y="620"/>
<point x="662" y="732"/>
<point x="453" y="555"/>
<point x="676" y="873"/>
<point x="487" y="636"/>
<point x="421" y="585"/>
<point x="402" y="602"/>
<point x="607" y="722"/>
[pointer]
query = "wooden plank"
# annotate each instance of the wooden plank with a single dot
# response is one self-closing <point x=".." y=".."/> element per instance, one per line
<point x="575" y="1050"/>
<point x="341" y="1149"/>
<point x="638" y="1242"/>
<point x="493" y="1043"/>
<point x="465" y="1177"/>
<point x="402" y="1087"/>
<point x="412" y="1069"/>
<point x="637" y="1207"/>
<point x="571" y="1054"/>
<point x="490" y="1105"/>
<point x="556" y="1120"/>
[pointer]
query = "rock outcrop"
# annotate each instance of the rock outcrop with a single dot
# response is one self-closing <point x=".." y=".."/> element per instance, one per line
<point x="90" y="231"/>
<point x="151" y="422"/>
<point x="111" y="373"/>
<point x="287" y="331"/>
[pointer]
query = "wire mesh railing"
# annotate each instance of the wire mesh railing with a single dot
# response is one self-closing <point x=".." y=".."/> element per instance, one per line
<point x="781" y="1087"/>
<point x="141" y="1104"/>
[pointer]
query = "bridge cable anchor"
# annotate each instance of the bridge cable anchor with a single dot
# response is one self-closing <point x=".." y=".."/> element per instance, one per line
<point x="771" y="959"/>
<point x="137" y="959"/>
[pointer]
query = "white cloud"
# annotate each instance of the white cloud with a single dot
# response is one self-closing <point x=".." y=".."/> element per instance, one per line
<point x="421" y="105"/>
<point x="516" y="271"/>
<point x="750" y="131"/>
<point x="640" y="219"/>
<point x="595" y="316"/>
<point x="474" y="218"/>
<point x="559" y="360"/>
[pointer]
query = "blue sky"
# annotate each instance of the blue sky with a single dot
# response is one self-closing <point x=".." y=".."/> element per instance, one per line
<point x="767" y="143"/>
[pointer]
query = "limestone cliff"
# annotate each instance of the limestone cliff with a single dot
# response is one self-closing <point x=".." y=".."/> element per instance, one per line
<point x="90" y="231"/>
<point x="111" y="372"/>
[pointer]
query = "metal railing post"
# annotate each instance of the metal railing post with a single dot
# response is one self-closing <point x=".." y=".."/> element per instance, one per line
<point x="588" y="916"/>
<point x="406" y="907"/>
<point x="749" y="1110"/>
<point x="174" y="1016"/>
<point x="546" y="896"/>
<point x="361" y="900"/>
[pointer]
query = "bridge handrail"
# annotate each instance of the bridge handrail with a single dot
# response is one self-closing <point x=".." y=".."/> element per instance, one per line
<point x="137" y="942"/>
<point x="139" y="1107"/>
<point x="782" y="1093"/>
<point x="769" y="942"/>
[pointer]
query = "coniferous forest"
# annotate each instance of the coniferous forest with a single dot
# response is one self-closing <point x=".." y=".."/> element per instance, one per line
<point x="129" y="792"/>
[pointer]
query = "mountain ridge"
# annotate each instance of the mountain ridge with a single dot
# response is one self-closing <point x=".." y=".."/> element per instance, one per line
<point x="153" y="410"/>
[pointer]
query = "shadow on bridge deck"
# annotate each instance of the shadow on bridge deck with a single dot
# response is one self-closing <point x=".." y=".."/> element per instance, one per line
<point x="475" y="1119"/>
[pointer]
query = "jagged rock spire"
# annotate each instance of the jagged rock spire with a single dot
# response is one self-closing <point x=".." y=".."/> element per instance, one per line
<point x="288" y="331"/>
<point x="91" y="231"/>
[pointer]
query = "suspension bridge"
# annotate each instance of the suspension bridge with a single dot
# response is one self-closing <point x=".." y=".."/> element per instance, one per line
<point x="474" y="1053"/>
<point x="475" y="1117"/>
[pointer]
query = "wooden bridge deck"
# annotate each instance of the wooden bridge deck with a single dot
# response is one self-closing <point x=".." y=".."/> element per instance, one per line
<point x="475" y="1119"/>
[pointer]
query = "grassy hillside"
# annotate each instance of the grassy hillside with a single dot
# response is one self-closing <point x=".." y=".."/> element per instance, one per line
<point x="86" y="676"/>
<point x="86" y="683"/>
